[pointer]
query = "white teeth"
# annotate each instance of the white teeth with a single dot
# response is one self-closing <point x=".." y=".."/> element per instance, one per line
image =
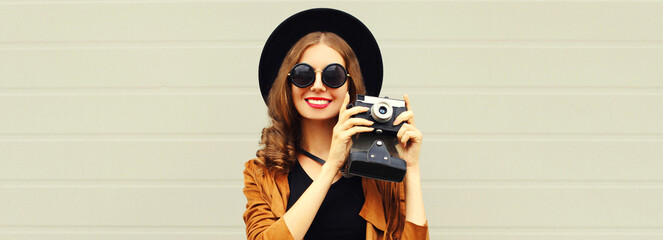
<point x="318" y="101"/>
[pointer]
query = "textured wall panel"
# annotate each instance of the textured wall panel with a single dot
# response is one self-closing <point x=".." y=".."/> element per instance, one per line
<point x="150" y="68"/>
<point x="132" y="119"/>
<point x="240" y="21"/>
<point x="202" y="113"/>
<point x="174" y="67"/>
<point x="442" y="160"/>
<point x="211" y="113"/>
<point x="89" y="159"/>
<point x="112" y="204"/>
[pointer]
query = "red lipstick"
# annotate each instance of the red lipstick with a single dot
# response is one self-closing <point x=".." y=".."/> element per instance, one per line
<point x="318" y="102"/>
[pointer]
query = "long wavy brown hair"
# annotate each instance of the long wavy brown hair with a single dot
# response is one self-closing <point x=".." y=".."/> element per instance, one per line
<point x="280" y="138"/>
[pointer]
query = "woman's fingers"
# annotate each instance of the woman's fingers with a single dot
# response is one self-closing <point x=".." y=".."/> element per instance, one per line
<point x="407" y="116"/>
<point x="353" y="126"/>
<point x="356" y="129"/>
<point x="401" y="131"/>
<point x="346" y="100"/>
<point x="406" y="98"/>
<point x="355" y="122"/>
<point x="344" y="114"/>
<point x="347" y="114"/>
<point x="408" y="132"/>
<point x="406" y="137"/>
<point x="341" y="112"/>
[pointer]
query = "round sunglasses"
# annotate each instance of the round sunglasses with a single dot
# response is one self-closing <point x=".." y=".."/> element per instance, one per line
<point x="333" y="75"/>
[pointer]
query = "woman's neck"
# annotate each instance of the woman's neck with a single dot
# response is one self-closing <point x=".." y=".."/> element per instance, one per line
<point x="317" y="135"/>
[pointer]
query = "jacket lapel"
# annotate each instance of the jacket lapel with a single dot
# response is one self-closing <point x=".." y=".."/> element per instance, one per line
<point x="373" y="210"/>
<point x="280" y="195"/>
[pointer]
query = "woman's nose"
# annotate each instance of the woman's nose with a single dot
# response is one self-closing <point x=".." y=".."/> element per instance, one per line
<point x="317" y="84"/>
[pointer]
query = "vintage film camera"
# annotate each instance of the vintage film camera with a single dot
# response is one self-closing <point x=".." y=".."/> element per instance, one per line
<point x="373" y="154"/>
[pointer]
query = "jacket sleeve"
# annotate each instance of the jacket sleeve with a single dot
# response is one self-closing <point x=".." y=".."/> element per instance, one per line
<point x="412" y="231"/>
<point x="261" y="223"/>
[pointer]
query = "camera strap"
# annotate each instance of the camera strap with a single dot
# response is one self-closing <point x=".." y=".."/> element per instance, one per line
<point x="310" y="155"/>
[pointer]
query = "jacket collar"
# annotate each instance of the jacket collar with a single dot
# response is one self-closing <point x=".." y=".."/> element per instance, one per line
<point x="372" y="210"/>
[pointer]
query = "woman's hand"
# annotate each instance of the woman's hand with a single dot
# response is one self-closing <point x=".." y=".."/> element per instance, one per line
<point x="345" y="128"/>
<point x="409" y="137"/>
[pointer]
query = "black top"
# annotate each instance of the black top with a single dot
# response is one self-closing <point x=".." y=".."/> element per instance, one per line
<point x="338" y="216"/>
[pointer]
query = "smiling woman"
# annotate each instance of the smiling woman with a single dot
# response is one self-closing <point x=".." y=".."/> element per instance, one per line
<point x="285" y="111"/>
<point x="291" y="192"/>
<point x="319" y="101"/>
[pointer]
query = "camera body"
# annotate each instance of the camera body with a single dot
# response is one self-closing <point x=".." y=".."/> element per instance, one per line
<point x="373" y="154"/>
<point x="382" y="111"/>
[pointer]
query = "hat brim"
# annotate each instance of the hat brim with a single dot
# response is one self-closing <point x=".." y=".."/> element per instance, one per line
<point x="346" y="26"/>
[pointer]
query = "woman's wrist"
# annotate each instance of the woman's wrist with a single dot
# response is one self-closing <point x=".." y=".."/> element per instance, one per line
<point x="414" y="204"/>
<point x="328" y="171"/>
<point x="334" y="162"/>
<point x="414" y="167"/>
<point x="413" y="172"/>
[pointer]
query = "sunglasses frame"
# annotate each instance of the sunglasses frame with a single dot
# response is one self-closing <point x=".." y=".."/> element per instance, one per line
<point x="347" y="75"/>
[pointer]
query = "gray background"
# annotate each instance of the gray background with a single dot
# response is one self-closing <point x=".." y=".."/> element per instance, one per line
<point x="132" y="119"/>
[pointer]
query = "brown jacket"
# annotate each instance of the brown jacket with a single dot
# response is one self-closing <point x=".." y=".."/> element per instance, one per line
<point x="267" y="197"/>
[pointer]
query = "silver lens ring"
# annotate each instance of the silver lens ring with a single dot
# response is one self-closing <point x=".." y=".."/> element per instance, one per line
<point x="381" y="112"/>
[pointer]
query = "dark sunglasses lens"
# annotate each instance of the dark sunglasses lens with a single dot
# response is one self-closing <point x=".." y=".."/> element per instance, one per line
<point x="334" y="75"/>
<point x="302" y="75"/>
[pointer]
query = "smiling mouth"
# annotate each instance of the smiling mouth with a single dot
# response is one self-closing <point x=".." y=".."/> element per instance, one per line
<point x="318" y="102"/>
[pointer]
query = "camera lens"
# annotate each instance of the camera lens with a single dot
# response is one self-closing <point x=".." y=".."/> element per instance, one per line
<point x="383" y="109"/>
<point x="381" y="112"/>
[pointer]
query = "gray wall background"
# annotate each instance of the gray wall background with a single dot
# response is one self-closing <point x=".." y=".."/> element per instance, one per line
<point x="132" y="119"/>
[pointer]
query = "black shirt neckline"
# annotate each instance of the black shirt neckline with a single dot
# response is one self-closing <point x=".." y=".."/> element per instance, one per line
<point x="300" y="168"/>
<point x="338" y="216"/>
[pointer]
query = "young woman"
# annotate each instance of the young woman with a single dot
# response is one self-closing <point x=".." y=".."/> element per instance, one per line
<point x="292" y="196"/>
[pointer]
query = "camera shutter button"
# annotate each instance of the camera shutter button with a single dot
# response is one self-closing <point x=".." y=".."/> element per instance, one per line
<point x="379" y="131"/>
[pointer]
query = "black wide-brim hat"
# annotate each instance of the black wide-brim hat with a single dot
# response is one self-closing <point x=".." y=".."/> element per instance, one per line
<point x="346" y="26"/>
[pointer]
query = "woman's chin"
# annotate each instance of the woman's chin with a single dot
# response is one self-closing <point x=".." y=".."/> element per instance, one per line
<point x="319" y="116"/>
